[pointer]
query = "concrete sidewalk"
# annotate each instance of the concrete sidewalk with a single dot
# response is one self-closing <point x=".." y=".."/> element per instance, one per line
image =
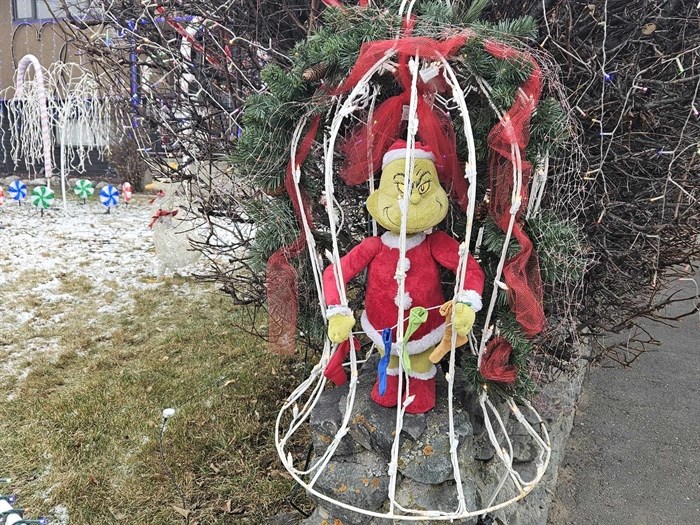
<point x="633" y="457"/>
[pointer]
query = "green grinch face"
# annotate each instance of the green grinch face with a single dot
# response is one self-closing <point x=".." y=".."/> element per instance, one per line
<point x="427" y="205"/>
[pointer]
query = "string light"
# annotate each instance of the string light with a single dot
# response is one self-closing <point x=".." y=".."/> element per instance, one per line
<point x="681" y="69"/>
<point x="7" y="510"/>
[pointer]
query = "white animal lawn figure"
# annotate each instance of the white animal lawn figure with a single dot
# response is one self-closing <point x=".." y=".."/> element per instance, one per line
<point x="173" y="230"/>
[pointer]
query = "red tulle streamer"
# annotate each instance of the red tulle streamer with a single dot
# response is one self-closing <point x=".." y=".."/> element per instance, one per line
<point x="435" y="131"/>
<point x="365" y="147"/>
<point x="521" y="272"/>
<point x="494" y="362"/>
<point x="281" y="277"/>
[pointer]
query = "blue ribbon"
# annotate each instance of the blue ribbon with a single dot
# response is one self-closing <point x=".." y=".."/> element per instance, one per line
<point x="384" y="361"/>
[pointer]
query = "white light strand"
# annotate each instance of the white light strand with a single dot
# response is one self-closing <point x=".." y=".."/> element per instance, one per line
<point x="370" y="151"/>
<point x="539" y="182"/>
<point x="400" y="276"/>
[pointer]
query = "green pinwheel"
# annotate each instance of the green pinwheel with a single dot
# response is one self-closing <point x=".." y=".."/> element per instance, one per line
<point x="84" y="188"/>
<point x="42" y="197"/>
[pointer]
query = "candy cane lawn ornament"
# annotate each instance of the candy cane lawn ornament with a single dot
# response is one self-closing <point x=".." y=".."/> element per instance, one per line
<point x="46" y="136"/>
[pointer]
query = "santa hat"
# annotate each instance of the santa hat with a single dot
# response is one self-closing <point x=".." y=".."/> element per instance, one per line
<point x="398" y="150"/>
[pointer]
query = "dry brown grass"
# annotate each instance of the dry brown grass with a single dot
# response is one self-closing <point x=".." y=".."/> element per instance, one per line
<point x="85" y="422"/>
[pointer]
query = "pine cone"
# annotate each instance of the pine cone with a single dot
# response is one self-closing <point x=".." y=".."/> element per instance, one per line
<point x="481" y="210"/>
<point x="315" y="72"/>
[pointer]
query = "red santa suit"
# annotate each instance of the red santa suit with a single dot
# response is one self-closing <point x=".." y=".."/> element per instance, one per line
<point x="425" y="253"/>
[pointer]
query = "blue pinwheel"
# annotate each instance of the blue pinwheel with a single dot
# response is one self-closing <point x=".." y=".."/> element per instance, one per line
<point x="109" y="196"/>
<point x="17" y="190"/>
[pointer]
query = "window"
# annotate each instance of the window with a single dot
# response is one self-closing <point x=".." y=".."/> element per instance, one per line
<point x="42" y="9"/>
<point x="35" y="9"/>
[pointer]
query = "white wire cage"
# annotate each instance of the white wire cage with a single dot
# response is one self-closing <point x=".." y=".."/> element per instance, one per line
<point x="299" y="406"/>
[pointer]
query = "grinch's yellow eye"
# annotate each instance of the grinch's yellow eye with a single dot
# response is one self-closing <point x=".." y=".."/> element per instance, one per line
<point x="398" y="180"/>
<point x="424" y="187"/>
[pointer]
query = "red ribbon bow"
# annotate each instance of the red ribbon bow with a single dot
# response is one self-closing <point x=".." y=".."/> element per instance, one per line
<point x="161" y="213"/>
<point x="494" y="362"/>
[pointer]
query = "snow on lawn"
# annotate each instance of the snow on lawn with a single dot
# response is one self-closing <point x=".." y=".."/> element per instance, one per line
<point x="68" y="259"/>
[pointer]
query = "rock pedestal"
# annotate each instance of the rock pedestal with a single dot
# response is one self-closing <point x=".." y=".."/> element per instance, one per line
<point x="358" y="472"/>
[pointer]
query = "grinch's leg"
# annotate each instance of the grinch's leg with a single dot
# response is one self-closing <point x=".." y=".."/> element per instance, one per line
<point x="390" y="398"/>
<point x="421" y="383"/>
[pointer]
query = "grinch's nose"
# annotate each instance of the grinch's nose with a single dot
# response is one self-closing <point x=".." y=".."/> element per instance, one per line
<point x="415" y="197"/>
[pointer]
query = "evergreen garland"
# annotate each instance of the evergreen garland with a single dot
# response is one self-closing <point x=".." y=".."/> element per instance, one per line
<point x="322" y="61"/>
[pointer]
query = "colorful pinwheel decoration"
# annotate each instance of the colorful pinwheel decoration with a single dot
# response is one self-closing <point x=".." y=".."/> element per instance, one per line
<point x="109" y="196"/>
<point x="42" y="197"/>
<point x="84" y="189"/>
<point x="18" y="191"/>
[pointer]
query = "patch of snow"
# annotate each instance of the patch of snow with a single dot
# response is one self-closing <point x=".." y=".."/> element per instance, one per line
<point x="60" y="515"/>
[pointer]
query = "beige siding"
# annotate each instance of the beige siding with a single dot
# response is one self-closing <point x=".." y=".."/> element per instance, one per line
<point x="44" y="40"/>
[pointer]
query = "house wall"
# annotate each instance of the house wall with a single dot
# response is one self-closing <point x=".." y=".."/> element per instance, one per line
<point x="42" y="39"/>
<point x="45" y="40"/>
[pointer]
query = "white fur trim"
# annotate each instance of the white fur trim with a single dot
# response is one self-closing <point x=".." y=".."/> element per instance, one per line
<point x="337" y="309"/>
<point x="471" y="298"/>
<point x="392" y="240"/>
<point x="423" y="375"/>
<point x="402" y="153"/>
<point x="418" y="375"/>
<point x="406" y="264"/>
<point x="406" y="303"/>
<point x="415" y="346"/>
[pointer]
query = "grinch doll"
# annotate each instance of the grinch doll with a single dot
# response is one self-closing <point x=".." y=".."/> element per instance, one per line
<point x="426" y="252"/>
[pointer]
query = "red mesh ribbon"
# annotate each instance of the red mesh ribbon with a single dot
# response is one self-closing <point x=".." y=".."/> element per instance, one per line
<point x="281" y="277"/>
<point x="435" y="131"/>
<point x="521" y="272"/>
<point x="494" y="362"/>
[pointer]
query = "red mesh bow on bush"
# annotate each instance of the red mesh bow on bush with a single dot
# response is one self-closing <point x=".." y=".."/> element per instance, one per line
<point x="494" y="362"/>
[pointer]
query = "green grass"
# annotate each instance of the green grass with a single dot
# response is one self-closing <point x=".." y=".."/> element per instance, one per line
<point x="85" y="425"/>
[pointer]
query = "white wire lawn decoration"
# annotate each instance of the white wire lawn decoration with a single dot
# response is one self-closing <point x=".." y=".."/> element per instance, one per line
<point x="30" y="118"/>
<point x="299" y="406"/>
<point x="66" y="97"/>
<point x="83" y="111"/>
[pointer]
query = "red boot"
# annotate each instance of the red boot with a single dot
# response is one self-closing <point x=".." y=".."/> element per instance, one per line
<point x="424" y="390"/>
<point x="390" y="397"/>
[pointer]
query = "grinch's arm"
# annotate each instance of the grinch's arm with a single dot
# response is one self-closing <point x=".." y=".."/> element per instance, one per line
<point x="445" y="250"/>
<point x="340" y="317"/>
